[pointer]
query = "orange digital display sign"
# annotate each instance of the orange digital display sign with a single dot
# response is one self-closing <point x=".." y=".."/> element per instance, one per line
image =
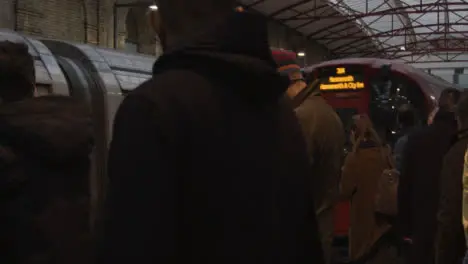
<point x="341" y="81"/>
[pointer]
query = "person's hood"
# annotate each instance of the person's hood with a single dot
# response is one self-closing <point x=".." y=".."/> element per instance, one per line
<point x="236" y="53"/>
<point x="53" y="128"/>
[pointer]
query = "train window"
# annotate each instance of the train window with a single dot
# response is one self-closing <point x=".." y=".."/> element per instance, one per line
<point x="416" y="98"/>
<point x="42" y="89"/>
<point x="131" y="47"/>
<point x="396" y="90"/>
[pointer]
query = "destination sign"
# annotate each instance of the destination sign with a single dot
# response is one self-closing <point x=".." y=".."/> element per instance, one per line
<point x="341" y="81"/>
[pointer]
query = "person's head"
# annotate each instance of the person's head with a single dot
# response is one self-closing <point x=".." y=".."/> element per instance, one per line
<point x="462" y="112"/>
<point x="364" y="129"/>
<point x="17" y="74"/>
<point x="181" y="19"/>
<point x="406" y="116"/>
<point x="448" y="99"/>
<point x="288" y="66"/>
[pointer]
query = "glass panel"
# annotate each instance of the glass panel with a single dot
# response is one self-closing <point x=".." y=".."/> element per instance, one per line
<point x="463" y="80"/>
<point x="131" y="47"/>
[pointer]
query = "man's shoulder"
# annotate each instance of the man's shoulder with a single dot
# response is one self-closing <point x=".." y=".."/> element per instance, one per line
<point x="167" y="81"/>
<point x="420" y="133"/>
<point x="320" y="111"/>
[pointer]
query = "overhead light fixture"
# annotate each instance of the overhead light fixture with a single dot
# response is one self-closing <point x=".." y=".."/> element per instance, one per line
<point x="153" y="7"/>
<point x="402" y="48"/>
<point x="301" y="54"/>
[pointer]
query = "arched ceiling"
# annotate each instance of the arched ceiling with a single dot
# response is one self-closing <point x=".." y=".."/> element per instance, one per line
<point x="415" y="31"/>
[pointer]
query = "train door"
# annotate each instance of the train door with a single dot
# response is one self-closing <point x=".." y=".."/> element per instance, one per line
<point x="344" y="88"/>
<point x="85" y="88"/>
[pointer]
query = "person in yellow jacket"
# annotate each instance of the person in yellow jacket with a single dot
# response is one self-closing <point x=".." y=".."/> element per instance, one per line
<point x="465" y="202"/>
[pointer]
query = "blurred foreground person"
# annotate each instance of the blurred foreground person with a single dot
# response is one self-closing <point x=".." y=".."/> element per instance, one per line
<point x="450" y="243"/>
<point x="465" y="204"/>
<point x="371" y="239"/>
<point x="207" y="162"/>
<point x="324" y="135"/>
<point x="44" y="166"/>
<point x="418" y="192"/>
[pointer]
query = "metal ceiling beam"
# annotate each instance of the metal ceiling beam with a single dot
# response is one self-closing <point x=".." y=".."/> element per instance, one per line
<point x="314" y="9"/>
<point x="314" y="17"/>
<point x="421" y="8"/>
<point x="411" y="9"/>
<point x="412" y="46"/>
<point x="356" y="44"/>
<point x="427" y="62"/>
<point x="255" y="3"/>
<point x="289" y="7"/>
<point x="279" y="21"/>
<point x="402" y="31"/>
<point x="339" y="49"/>
<point x="433" y="52"/>
<point x="406" y="20"/>
<point x="427" y="36"/>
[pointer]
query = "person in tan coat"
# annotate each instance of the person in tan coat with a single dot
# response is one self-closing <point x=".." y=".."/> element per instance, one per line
<point x="324" y="135"/>
<point x="370" y="238"/>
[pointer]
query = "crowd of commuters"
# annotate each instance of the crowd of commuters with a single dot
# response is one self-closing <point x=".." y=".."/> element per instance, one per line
<point x="226" y="155"/>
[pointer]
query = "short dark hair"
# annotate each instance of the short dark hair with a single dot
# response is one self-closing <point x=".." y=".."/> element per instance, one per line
<point x="17" y="74"/>
<point x="406" y="115"/>
<point x="462" y="110"/>
<point x="179" y="15"/>
<point x="448" y="99"/>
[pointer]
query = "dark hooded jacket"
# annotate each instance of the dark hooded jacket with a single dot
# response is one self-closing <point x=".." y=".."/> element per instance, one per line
<point x="207" y="162"/>
<point x="419" y="184"/>
<point x="44" y="167"/>
<point x="450" y="241"/>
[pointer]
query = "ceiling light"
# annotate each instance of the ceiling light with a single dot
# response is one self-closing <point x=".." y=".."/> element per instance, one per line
<point x="153" y="7"/>
<point x="301" y="54"/>
<point x="402" y="48"/>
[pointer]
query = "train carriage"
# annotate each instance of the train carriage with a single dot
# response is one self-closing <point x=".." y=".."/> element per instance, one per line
<point x="361" y="85"/>
<point x="358" y="85"/>
<point x="101" y="77"/>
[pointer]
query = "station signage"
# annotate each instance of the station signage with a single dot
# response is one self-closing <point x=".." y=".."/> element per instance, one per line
<point x="341" y="81"/>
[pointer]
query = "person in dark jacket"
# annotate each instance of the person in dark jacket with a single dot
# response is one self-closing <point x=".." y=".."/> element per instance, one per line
<point x="325" y="137"/>
<point x="17" y="73"/>
<point x="207" y="163"/>
<point x="407" y="122"/>
<point x="418" y="193"/>
<point x="44" y="166"/>
<point x="450" y="242"/>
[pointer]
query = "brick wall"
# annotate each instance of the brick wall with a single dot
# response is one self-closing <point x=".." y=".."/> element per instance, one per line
<point x="91" y="21"/>
<point x="7" y="14"/>
<point x="57" y="19"/>
<point x="84" y="21"/>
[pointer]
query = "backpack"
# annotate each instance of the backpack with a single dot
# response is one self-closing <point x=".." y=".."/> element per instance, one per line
<point x="386" y="198"/>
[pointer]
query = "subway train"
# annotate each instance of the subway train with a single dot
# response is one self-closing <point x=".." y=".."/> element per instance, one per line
<point x="98" y="76"/>
<point x="365" y="85"/>
<point x="101" y="77"/>
<point x="362" y="85"/>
